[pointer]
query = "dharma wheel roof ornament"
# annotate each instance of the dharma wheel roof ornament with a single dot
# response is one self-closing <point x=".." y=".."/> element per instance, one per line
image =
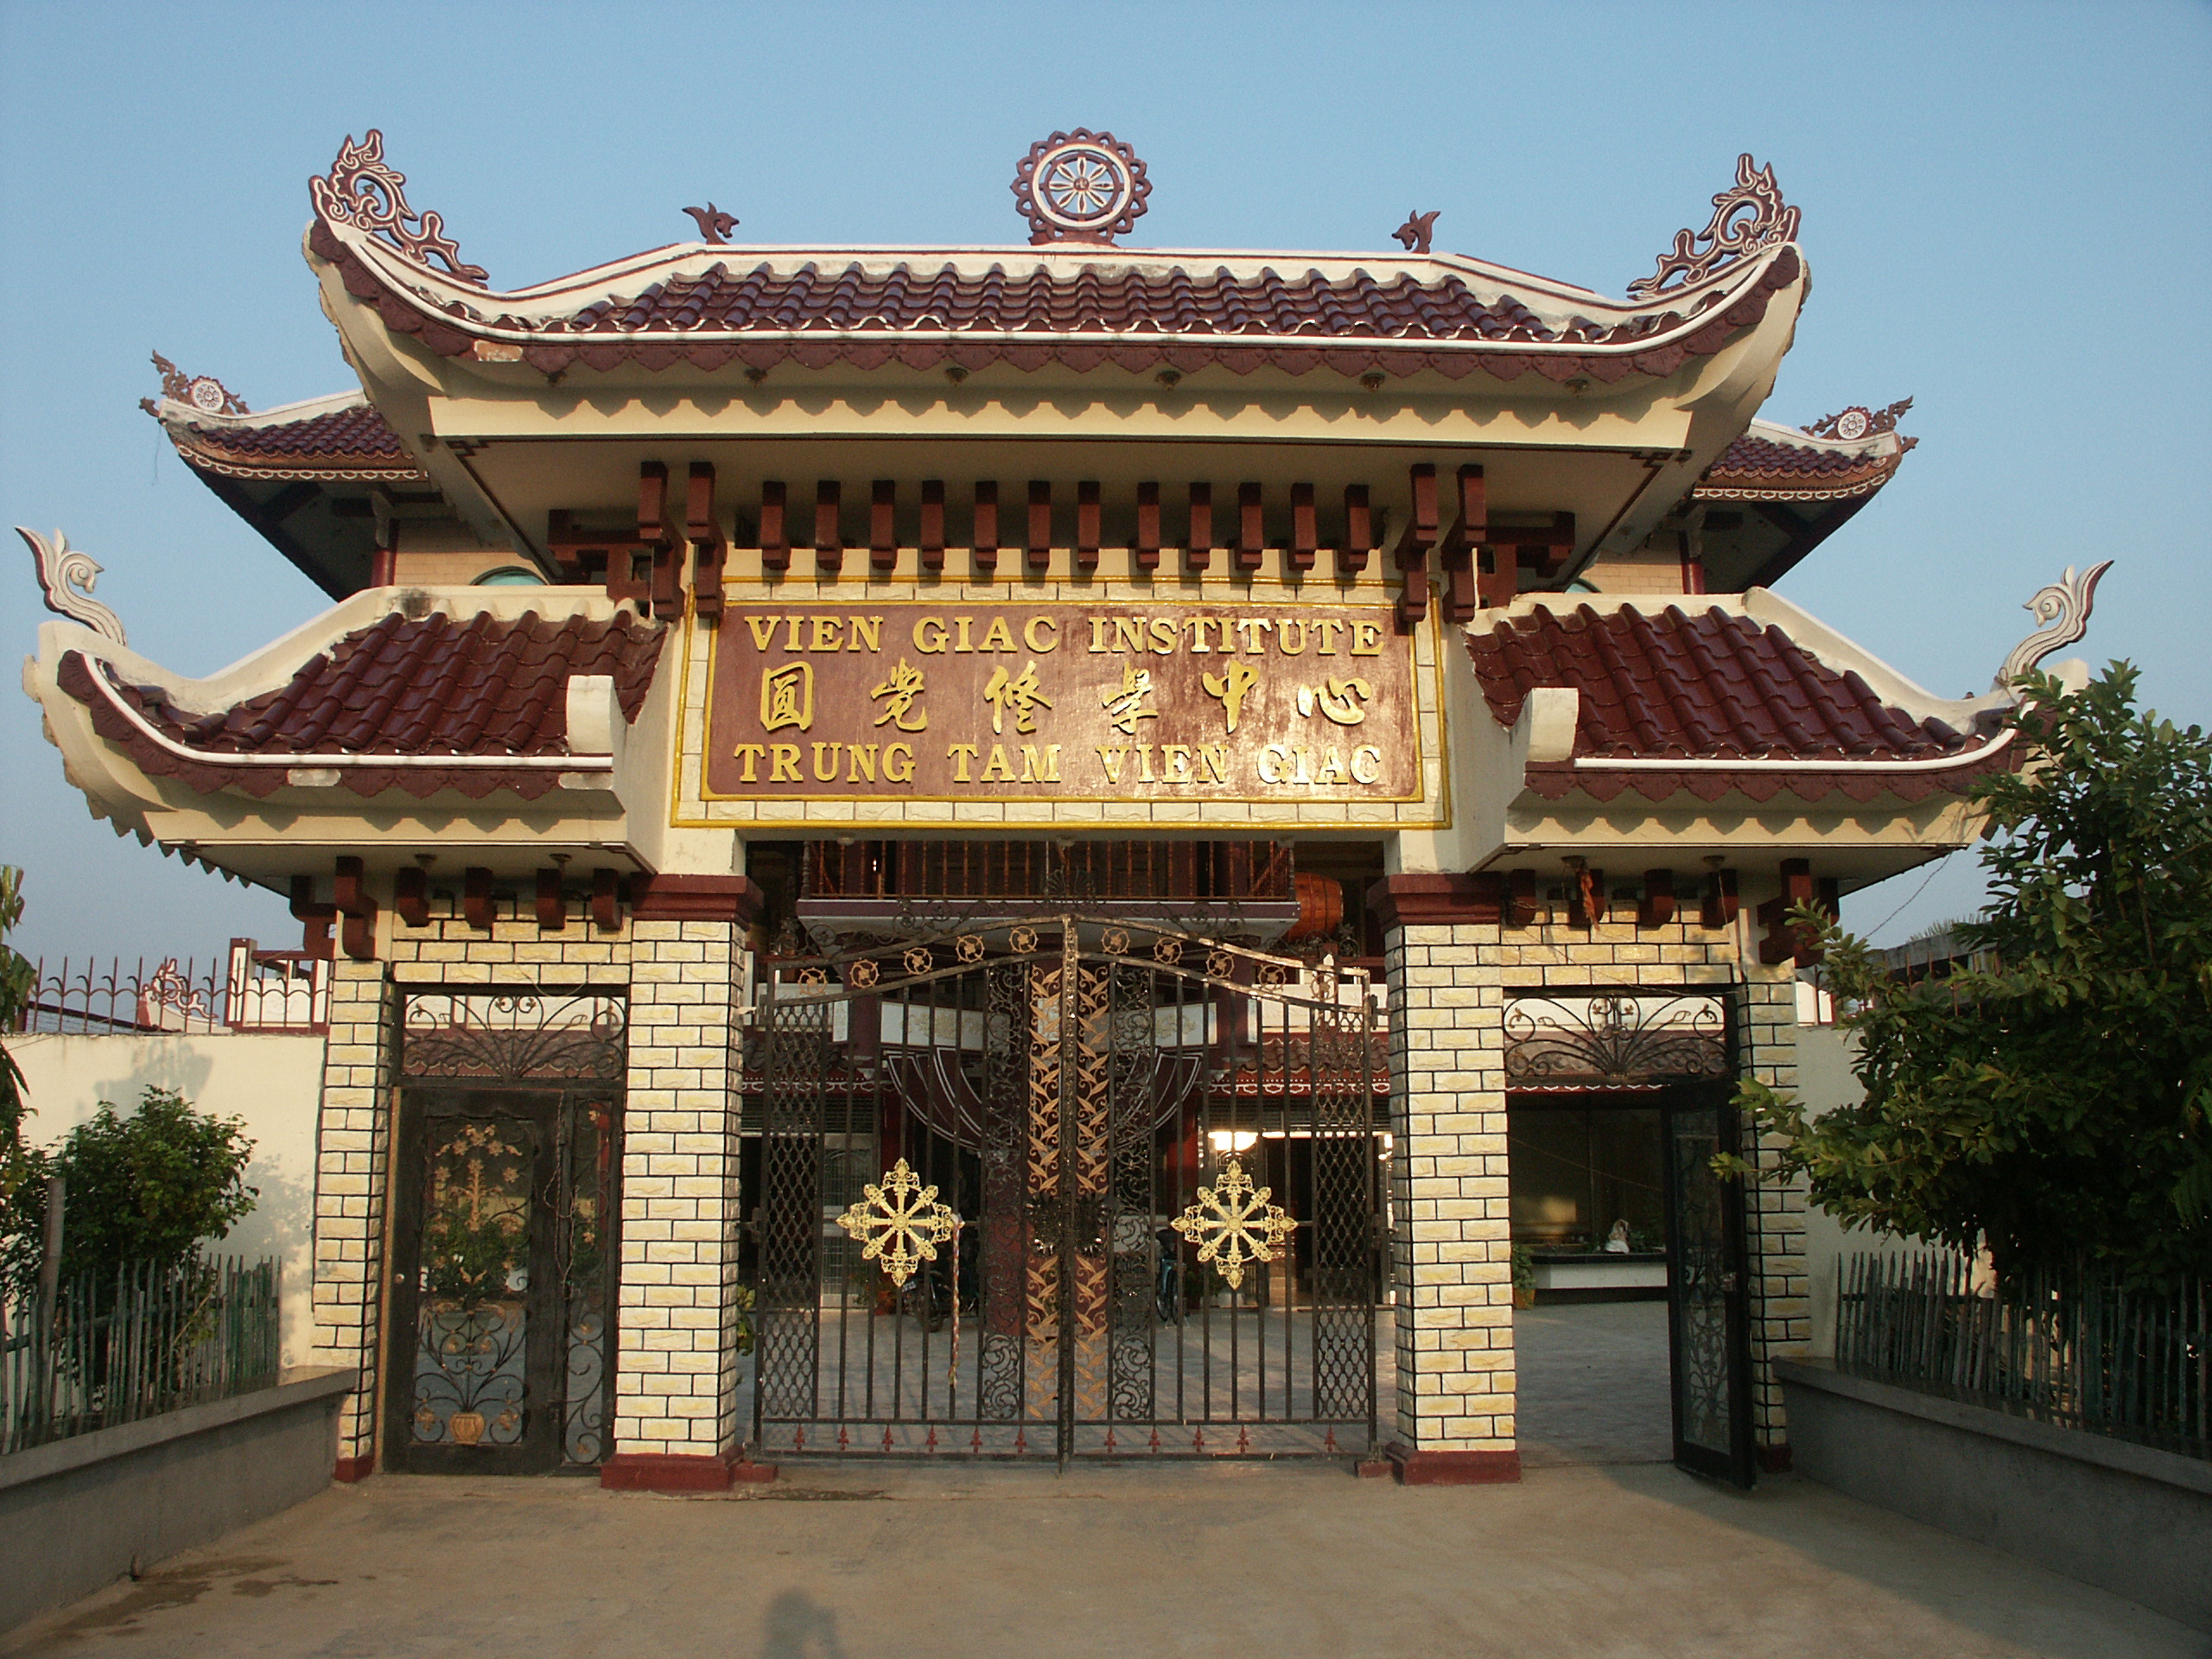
<point x="1080" y="186"/>
<point x="1858" y="422"/>
<point x="362" y="191"/>
<point x="202" y="392"/>
<point x="1748" y="218"/>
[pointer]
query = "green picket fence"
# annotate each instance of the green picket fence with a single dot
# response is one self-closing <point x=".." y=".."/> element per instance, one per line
<point x="149" y="1340"/>
<point x="2067" y="1348"/>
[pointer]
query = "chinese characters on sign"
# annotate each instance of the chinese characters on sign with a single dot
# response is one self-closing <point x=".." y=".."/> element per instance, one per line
<point x="1302" y="704"/>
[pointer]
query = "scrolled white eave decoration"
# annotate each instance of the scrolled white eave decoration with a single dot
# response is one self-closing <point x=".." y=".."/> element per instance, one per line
<point x="2062" y="610"/>
<point x="67" y="575"/>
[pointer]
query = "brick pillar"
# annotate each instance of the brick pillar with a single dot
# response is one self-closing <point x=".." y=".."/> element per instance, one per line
<point x="1451" y="1243"/>
<point x="352" y="1154"/>
<point x="1774" y="1215"/>
<point x="675" y="1359"/>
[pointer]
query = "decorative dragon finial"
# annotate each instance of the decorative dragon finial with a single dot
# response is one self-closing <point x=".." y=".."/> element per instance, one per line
<point x="2061" y="611"/>
<point x="361" y="191"/>
<point x="201" y="391"/>
<point x="1745" y="220"/>
<point x="715" y="225"/>
<point x="1857" y="422"/>
<point x="68" y="577"/>
<point x="1417" y="230"/>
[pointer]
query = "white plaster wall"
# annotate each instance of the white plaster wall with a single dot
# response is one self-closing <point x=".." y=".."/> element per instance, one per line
<point x="1824" y="1082"/>
<point x="273" y="1083"/>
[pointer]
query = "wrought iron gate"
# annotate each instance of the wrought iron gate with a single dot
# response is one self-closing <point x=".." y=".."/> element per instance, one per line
<point x="1065" y="1186"/>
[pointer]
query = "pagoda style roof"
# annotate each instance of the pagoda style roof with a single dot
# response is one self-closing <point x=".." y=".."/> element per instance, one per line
<point x="1744" y="696"/>
<point x="710" y="307"/>
<point x="338" y="437"/>
<point x="473" y="703"/>
<point x="1781" y="463"/>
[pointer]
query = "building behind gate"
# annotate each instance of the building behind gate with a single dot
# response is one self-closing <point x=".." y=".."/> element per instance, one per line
<point x="975" y="851"/>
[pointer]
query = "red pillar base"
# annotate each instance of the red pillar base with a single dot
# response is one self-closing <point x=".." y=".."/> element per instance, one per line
<point x="350" y="1469"/>
<point x="1773" y="1459"/>
<point x="1454" y="1468"/>
<point x="669" y="1472"/>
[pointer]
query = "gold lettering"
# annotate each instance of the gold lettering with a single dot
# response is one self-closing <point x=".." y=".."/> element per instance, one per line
<point x="1329" y="629"/>
<point x="1128" y="633"/>
<point x="1110" y="761"/>
<point x="750" y="752"/>
<point x="960" y="754"/>
<point x="1041" y="769"/>
<point x="1213" y="763"/>
<point x="1332" y="768"/>
<point x="1271" y="764"/>
<point x="764" y="630"/>
<point x="1367" y="764"/>
<point x="928" y="635"/>
<point x="790" y="639"/>
<point x="1367" y="638"/>
<point x="899" y="763"/>
<point x="831" y="775"/>
<point x="1229" y="687"/>
<point x="1144" y="763"/>
<point x="1051" y="642"/>
<point x="1018" y="695"/>
<point x="787" y="698"/>
<point x="998" y="769"/>
<point x="1166" y="635"/>
<point x="997" y="637"/>
<point x="825" y="633"/>
<point x="960" y="634"/>
<point x="862" y="757"/>
<point x="905" y="686"/>
<point x="1283" y="636"/>
<point x="1198" y="626"/>
<point x="868" y="627"/>
<point x="1250" y="628"/>
<point x="1097" y="635"/>
<point x="783" y="763"/>
<point x="1125" y="707"/>
<point x="1175" y="759"/>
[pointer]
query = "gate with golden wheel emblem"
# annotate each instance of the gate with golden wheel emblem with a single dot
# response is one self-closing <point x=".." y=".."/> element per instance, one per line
<point x="1065" y="1186"/>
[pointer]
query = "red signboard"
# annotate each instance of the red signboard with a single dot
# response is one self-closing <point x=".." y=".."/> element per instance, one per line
<point x="1033" y="703"/>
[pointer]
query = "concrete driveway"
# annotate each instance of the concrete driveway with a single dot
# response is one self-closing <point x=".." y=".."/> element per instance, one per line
<point x="907" y="1561"/>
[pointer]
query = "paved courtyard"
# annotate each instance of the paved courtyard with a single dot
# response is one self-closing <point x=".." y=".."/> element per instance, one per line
<point x="1604" y="1549"/>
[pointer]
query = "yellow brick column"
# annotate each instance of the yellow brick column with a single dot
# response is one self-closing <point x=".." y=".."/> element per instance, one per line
<point x="353" y="1155"/>
<point x="1780" y="1310"/>
<point x="1451" y="1240"/>
<point x="675" y="1359"/>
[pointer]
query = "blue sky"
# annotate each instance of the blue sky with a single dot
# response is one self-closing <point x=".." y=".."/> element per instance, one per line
<point x="2006" y="209"/>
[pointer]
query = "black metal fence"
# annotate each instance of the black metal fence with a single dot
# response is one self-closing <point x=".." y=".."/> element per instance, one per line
<point x="2066" y="1348"/>
<point x="248" y="990"/>
<point x="149" y="1340"/>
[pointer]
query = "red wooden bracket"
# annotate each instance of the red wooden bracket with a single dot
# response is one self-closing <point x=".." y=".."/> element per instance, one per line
<point x="1251" y="526"/>
<point x="357" y="931"/>
<point x="1197" y="546"/>
<point x="1086" y="525"/>
<point x="1144" y="548"/>
<point x="1456" y="551"/>
<point x="411" y="895"/>
<point x="1359" y="532"/>
<point x="1413" y="543"/>
<point x="930" y="542"/>
<point x="1717" y="905"/>
<point x="315" y="918"/>
<point x="1520" y="898"/>
<point x="552" y="908"/>
<point x="605" y="899"/>
<point x="883" y="525"/>
<point x="829" y="528"/>
<point x="476" y="898"/>
<point x="704" y="531"/>
<point x="1038" y="543"/>
<point x="1305" y="539"/>
<point x="1786" y="941"/>
<point x="775" y="527"/>
<point x="985" y="536"/>
<point x="1657" y="908"/>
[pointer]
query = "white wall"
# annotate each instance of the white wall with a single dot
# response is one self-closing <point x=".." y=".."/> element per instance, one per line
<point x="273" y="1083"/>
<point x="1824" y="1082"/>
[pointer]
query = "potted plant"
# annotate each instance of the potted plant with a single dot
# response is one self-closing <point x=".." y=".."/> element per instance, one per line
<point x="1524" y="1276"/>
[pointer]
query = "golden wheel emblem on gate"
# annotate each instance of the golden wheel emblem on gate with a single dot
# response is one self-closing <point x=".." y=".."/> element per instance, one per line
<point x="1233" y="1224"/>
<point x="899" y="1223"/>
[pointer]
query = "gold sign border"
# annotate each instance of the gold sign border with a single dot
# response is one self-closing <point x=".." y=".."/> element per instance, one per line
<point x="1441" y="820"/>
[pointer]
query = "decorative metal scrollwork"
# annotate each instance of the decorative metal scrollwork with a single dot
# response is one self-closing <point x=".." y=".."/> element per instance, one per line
<point x="1114" y="942"/>
<point x="1746" y="219"/>
<point x="1233" y="1224"/>
<point x="512" y="1036"/>
<point x="1594" y="1041"/>
<point x="900" y="1224"/>
<point x="1220" y="963"/>
<point x="362" y="191"/>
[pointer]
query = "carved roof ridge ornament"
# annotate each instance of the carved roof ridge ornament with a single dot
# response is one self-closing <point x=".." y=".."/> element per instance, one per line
<point x="362" y="191"/>
<point x="1747" y="218"/>
<point x="67" y="575"/>
<point x="1080" y="186"/>
<point x="203" y="392"/>
<point x="1417" y="231"/>
<point x="715" y="225"/>
<point x="2062" y="612"/>
<point x="1857" y="422"/>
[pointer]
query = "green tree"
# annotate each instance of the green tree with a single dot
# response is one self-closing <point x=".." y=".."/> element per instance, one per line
<point x="151" y="1187"/>
<point x="2050" y="1103"/>
<point x="15" y="997"/>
